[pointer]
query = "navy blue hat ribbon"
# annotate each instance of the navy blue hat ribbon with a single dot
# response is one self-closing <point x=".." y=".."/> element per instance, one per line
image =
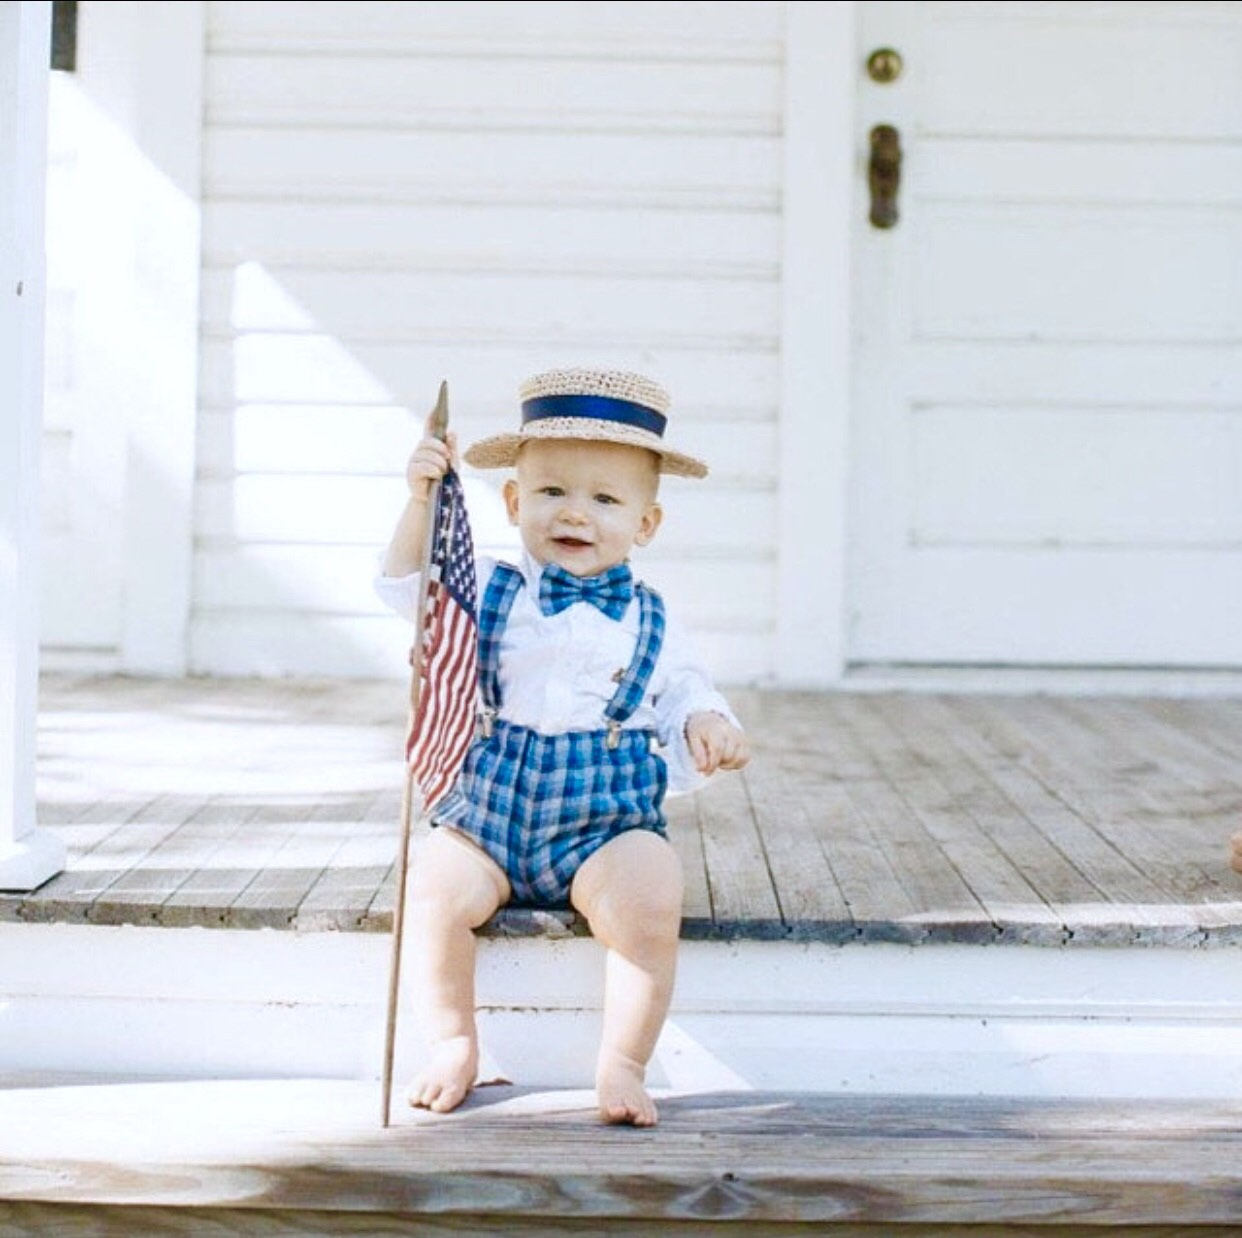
<point x="595" y="408"/>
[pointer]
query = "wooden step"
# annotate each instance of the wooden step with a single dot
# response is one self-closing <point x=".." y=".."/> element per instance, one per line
<point x="310" y="1157"/>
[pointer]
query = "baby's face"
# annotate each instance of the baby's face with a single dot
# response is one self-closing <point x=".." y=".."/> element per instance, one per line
<point x="583" y="506"/>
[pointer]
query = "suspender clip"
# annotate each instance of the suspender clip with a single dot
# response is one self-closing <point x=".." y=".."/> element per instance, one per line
<point x="614" y="734"/>
<point x="484" y="725"/>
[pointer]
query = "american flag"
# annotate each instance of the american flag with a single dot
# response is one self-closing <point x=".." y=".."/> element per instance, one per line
<point x="446" y="683"/>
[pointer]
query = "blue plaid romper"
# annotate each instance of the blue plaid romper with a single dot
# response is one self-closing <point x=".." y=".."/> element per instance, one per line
<point x="539" y="805"/>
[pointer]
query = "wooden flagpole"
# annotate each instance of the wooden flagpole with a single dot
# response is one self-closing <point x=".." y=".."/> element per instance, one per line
<point x="437" y="426"/>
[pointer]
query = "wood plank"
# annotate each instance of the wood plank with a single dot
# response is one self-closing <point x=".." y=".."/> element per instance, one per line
<point x="342" y="894"/>
<point x="433" y="91"/>
<point x="1190" y="763"/>
<point x="687" y="841"/>
<point x="273" y="895"/>
<point x="1027" y="741"/>
<point x="1129" y="908"/>
<point x="1091" y="778"/>
<point x="1124" y="783"/>
<point x="744" y="902"/>
<point x="1196" y="789"/>
<point x="72" y="895"/>
<point x="944" y="801"/>
<point x="731" y="172"/>
<point x="18" y="1220"/>
<point x="746" y="1157"/>
<point x="140" y="895"/>
<point x="810" y="901"/>
<point x="1215" y="723"/>
<point x="791" y="731"/>
<point x="212" y="895"/>
<point x="945" y="906"/>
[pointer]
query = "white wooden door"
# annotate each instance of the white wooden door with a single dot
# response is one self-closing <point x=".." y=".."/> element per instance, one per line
<point x="1047" y="435"/>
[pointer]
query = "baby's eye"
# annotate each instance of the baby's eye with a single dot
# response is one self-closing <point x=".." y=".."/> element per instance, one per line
<point x="553" y="492"/>
<point x="606" y="498"/>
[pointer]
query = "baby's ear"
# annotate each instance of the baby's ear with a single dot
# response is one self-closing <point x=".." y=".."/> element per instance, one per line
<point x="510" y="493"/>
<point x="649" y="524"/>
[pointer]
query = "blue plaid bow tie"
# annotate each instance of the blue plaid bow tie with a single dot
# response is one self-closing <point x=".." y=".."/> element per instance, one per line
<point x="610" y="592"/>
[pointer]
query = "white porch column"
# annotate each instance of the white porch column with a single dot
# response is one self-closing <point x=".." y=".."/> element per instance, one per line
<point x="819" y="184"/>
<point x="162" y="163"/>
<point x="28" y="856"/>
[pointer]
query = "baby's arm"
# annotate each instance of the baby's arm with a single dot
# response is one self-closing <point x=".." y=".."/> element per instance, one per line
<point x="696" y="726"/>
<point x="715" y="743"/>
<point x="430" y="461"/>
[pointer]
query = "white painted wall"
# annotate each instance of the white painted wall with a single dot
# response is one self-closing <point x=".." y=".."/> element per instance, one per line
<point x="28" y="856"/>
<point x="396" y="194"/>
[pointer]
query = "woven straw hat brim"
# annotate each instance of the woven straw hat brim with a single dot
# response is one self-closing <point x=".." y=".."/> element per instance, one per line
<point x="501" y="450"/>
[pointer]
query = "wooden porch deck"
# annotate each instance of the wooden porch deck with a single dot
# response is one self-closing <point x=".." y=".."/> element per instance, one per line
<point x="308" y="1158"/>
<point x="904" y="817"/>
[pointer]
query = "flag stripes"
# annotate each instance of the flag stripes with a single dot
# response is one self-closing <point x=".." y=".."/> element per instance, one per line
<point x="443" y="721"/>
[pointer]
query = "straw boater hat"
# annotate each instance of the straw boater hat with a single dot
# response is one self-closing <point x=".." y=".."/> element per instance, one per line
<point x="607" y="406"/>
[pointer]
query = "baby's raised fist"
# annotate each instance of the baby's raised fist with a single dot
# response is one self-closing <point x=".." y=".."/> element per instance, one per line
<point x="430" y="460"/>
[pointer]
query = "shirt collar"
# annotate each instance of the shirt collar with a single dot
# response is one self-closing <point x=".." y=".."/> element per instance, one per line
<point x="531" y="570"/>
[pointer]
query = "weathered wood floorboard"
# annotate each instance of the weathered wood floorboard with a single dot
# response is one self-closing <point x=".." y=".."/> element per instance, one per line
<point x="1118" y="903"/>
<point x="752" y="1158"/>
<point x="83" y="1221"/>
<point x="1104" y="782"/>
<point x="926" y="775"/>
<point x="862" y="817"/>
<point x="1039" y="742"/>
<point x="945" y="905"/>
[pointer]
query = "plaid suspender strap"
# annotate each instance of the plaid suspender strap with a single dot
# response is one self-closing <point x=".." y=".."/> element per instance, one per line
<point x="493" y="613"/>
<point x="629" y="694"/>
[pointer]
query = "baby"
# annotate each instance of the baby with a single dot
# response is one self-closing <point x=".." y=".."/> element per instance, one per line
<point x="594" y="705"/>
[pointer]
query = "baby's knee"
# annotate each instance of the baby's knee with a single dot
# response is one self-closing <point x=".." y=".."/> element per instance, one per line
<point x="448" y="886"/>
<point x="643" y="916"/>
<point x="429" y="895"/>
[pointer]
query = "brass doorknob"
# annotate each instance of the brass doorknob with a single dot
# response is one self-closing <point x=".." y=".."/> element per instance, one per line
<point x="884" y="175"/>
<point x="884" y="65"/>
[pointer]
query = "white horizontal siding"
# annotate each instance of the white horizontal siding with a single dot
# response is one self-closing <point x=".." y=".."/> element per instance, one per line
<point x="553" y="30"/>
<point x="374" y="305"/>
<point x="399" y="194"/>
<point x="502" y="92"/>
<point x="365" y="440"/>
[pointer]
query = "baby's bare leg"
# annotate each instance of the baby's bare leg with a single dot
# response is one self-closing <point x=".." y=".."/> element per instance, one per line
<point x="454" y="887"/>
<point x="630" y="892"/>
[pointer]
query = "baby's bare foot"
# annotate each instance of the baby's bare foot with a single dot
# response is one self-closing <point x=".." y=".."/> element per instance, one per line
<point x="620" y="1092"/>
<point x="445" y="1080"/>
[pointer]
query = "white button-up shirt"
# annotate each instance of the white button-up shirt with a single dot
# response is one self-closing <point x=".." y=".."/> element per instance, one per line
<point x="558" y="672"/>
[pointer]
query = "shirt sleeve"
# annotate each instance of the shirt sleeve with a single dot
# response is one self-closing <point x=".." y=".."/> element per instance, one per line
<point x="400" y="593"/>
<point x="687" y="689"/>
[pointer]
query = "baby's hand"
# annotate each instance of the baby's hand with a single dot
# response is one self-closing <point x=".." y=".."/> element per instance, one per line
<point x="715" y="743"/>
<point x="432" y="458"/>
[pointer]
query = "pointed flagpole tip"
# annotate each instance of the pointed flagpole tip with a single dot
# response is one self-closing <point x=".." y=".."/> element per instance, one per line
<point x="439" y="415"/>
